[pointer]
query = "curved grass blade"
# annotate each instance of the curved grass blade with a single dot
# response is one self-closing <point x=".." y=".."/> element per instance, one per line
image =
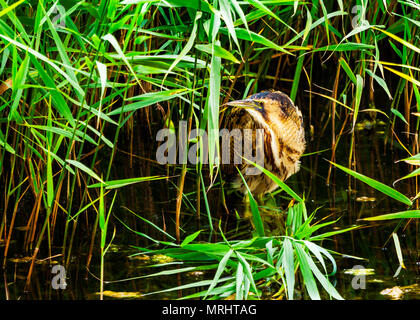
<point x="211" y="110"/>
<point x="398" y="249"/>
<point x="382" y="83"/>
<point x="50" y="185"/>
<point x="52" y="63"/>
<point x="397" y="215"/>
<point x="358" y="97"/>
<point x="321" y="278"/>
<point x="151" y="223"/>
<point x="225" y="11"/>
<point x="59" y="102"/>
<point x="252" y="36"/>
<point x="280" y="183"/>
<point x="248" y="273"/>
<point x="149" y="99"/>
<point x="413" y="174"/>
<point x="318" y="251"/>
<point x="10" y="8"/>
<point x="288" y="264"/>
<point x="190" y="238"/>
<point x="85" y="169"/>
<point x="103" y="78"/>
<point x="346" y="46"/>
<point x="259" y="226"/>
<point x="113" y="184"/>
<point x="331" y="233"/>
<point x="404" y="76"/>
<point x="343" y="63"/>
<point x="376" y="185"/>
<point x="218" y="51"/>
<point x="219" y="272"/>
<point x="400" y="40"/>
<point x="239" y="280"/>
<point x="187" y="47"/>
<point x="258" y="4"/>
<point x="5" y="145"/>
<point x="413" y="160"/>
<point x="305" y="269"/>
<point x="111" y="39"/>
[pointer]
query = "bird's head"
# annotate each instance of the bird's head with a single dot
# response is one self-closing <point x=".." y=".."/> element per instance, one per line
<point x="275" y="110"/>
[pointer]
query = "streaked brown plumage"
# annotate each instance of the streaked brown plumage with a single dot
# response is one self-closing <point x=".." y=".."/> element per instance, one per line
<point x="284" y="137"/>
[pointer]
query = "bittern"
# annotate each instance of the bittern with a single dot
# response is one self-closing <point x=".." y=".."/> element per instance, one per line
<point x="283" y="138"/>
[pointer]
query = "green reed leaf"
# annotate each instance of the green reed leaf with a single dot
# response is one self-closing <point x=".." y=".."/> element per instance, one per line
<point x="50" y="183"/>
<point x="218" y="51"/>
<point x="305" y="268"/>
<point x="10" y="8"/>
<point x="288" y="264"/>
<point x="397" y="215"/>
<point x="358" y="98"/>
<point x="280" y="183"/>
<point x="220" y="269"/>
<point x="256" y="217"/>
<point x="252" y="36"/>
<point x="114" y="184"/>
<point x="84" y="168"/>
<point x="376" y="185"/>
<point x="148" y="99"/>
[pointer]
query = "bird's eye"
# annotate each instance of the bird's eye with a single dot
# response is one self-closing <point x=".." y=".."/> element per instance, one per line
<point x="260" y="103"/>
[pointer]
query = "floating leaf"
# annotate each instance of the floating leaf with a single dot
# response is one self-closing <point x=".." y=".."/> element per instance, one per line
<point x="120" y="295"/>
<point x="360" y="271"/>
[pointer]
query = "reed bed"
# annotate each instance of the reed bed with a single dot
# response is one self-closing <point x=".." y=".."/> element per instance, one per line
<point x="77" y="80"/>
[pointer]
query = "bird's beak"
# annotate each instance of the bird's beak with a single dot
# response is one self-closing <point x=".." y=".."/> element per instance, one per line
<point x="247" y="103"/>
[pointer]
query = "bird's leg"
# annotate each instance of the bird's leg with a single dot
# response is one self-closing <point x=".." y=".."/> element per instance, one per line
<point x="260" y="199"/>
<point x="246" y="206"/>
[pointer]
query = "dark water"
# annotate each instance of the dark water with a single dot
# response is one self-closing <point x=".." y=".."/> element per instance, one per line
<point x="156" y="200"/>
